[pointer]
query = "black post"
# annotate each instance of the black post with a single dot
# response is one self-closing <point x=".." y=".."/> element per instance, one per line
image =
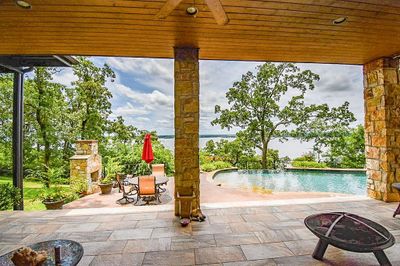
<point x="18" y="136"/>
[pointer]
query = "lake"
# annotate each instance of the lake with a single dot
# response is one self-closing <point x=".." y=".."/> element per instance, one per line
<point x="292" y="148"/>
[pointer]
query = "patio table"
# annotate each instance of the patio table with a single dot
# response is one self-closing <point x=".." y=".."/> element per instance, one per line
<point x="160" y="181"/>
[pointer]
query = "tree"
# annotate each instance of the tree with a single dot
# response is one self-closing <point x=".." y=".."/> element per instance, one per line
<point x="6" y="92"/>
<point x="90" y="98"/>
<point x="348" y="150"/>
<point x="44" y="108"/>
<point x="257" y="105"/>
<point x="119" y="132"/>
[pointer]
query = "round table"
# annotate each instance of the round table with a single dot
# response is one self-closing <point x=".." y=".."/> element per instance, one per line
<point x="160" y="180"/>
<point x="349" y="232"/>
<point x="71" y="252"/>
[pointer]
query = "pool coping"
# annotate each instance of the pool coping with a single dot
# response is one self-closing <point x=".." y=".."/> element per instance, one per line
<point x="350" y="170"/>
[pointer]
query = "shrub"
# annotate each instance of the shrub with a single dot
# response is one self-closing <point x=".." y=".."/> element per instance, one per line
<point x="307" y="157"/>
<point x="107" y="180"/>
<point x="58" y="193"/>
<point x="209" y="167"/>
<point x="308" y="164"/>
<point x="8" y="196"/>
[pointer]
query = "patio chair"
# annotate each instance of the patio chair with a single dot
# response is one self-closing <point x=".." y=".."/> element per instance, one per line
<point x="147" y="190"/>
<point x="158" y="170"/>
<point x="126" y="189"/>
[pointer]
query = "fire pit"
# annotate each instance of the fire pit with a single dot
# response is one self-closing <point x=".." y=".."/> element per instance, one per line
<point x="349" y="232"/>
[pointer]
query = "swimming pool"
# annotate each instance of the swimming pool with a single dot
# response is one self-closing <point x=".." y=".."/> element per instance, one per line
<point x="295" y="181"/>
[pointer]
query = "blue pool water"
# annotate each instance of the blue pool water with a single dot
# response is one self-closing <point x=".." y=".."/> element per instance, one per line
<point x="296" y="181"/>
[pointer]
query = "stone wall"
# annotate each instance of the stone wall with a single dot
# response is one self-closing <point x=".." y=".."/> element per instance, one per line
<point x="382" y="127"/>
<point x="85" y="166"/>
<point x="187" y="171"/>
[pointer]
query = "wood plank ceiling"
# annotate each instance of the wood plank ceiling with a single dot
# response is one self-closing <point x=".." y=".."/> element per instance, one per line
<point x="279" y="30"/>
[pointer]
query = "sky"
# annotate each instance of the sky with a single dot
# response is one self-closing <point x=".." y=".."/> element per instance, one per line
<point x="143" y="89"/>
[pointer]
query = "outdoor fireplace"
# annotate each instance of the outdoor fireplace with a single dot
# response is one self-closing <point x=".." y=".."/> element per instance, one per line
<point x="85" y="166"/>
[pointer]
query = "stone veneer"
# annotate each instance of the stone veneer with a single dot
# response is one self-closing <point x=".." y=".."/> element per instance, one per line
<point x="85" y="166"/>
<point x="187" y="171"/>
<point x="382" y="127"/>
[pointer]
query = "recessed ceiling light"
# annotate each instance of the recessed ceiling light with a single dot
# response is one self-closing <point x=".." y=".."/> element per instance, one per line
<point x="339" y="20"/>
<point x="192" y="10"/>
<point x="23" y="4"/>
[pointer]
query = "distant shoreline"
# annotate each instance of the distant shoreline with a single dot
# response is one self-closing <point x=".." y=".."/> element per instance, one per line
<point x="202" y="136"/>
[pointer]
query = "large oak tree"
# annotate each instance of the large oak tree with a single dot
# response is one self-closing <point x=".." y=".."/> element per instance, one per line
<point x="260" y="106"/>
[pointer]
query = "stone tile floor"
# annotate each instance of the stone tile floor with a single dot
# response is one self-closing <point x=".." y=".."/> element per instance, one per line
<point x="251" y="235"/>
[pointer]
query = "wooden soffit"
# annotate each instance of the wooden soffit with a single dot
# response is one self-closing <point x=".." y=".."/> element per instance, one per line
<point x="280" y="30"/>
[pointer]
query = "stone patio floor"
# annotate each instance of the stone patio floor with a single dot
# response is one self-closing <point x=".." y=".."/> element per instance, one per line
<point x="210" y="193"/>
<point x="263" y="233"/>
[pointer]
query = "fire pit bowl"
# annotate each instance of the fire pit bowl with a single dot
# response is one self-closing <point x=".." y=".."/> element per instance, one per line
<point x="349" y="232"/>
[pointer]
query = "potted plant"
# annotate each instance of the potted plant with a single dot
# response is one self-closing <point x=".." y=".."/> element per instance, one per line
<point x="53" y="198"/>
<point x="106" y="185"/>
<point x="112" y="167"/>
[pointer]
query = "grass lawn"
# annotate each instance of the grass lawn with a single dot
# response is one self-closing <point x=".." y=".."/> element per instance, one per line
<point x="32" y="189"/>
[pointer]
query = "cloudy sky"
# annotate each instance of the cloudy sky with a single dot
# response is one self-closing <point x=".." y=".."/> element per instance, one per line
<point x="143" y="89"/>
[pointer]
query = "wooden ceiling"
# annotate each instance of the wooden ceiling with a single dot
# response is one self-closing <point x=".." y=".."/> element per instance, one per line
<point x="279" y="30"/>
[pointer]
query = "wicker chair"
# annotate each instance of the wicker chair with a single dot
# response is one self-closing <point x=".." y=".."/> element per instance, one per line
<point x="147" y="190"/>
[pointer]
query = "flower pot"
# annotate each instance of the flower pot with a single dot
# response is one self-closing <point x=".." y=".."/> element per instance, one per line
<point x="53" y="205"/>
<point x="106" y="188"/>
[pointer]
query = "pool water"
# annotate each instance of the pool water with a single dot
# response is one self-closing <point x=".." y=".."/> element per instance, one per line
<point x="305" y="181"/>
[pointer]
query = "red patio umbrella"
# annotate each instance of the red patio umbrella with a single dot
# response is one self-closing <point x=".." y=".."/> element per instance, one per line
<point x="147" y="154"/>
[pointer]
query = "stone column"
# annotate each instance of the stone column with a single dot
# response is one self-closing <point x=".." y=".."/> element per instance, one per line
<point x="187" y="171"/>
<point x="382" y="127"/>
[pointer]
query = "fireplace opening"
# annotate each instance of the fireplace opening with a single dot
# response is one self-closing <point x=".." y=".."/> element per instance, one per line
<point x="95" y="176"/>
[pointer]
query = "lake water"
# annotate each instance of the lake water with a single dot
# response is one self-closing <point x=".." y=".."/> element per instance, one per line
<point x="295" y="181"/>
<point x="292" y="148"/>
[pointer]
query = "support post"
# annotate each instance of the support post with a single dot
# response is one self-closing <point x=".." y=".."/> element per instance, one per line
<point x="17" y="145"/>
<point x="186" y="88"/>
<point x="382" y="127"/>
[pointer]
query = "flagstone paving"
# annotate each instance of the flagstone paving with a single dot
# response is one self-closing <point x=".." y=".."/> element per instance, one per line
<point x="252" y="235"/>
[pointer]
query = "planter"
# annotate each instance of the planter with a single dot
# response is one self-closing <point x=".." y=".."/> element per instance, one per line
<point x="53" y="205"/>
<point x="106" y="188"/>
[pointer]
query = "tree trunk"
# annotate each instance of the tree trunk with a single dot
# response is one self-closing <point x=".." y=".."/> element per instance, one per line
<point x="264" y="156"/>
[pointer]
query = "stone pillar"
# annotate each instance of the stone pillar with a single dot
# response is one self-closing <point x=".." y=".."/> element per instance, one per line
<point x="187" y="170"/>
<point x="382" y="127"/>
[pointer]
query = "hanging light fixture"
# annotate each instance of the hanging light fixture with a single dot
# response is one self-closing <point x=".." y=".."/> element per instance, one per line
<point x="23" y="4"/>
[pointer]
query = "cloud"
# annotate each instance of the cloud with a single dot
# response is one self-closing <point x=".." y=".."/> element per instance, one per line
<point x="143" y="89"/>
<point x="129" y="110"/>
<point x="151" y="101"/>
<point x="152" y="73"/>
<point x="65" y="76"/>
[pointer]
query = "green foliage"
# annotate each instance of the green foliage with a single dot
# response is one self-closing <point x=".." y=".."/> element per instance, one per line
<point x="307" y="157"/>
<point x="259" y="107"/>
<point x="347" y="150"/>
<point x="212" y="166"/>
<point x="238" y="153"/>
<point x="57" y="193"/>
<point x="129" y="157"/>
<point x="112" y="167"/>
<point x="107" y="180"/>
<point x="90" y="98"/>
<point x="308" y="164"/>
<point x="6" y="92"/>
<point x="9" y="195"/>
